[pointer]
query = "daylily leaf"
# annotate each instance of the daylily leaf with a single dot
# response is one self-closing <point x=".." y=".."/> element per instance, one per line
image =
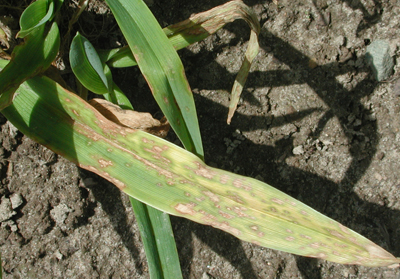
<point x="176" y="181"/>
<point x="87" y="67"/>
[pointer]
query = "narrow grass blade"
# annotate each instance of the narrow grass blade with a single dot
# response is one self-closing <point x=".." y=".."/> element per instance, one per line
<point x="177" y="182"/>
<point x="156" y="232"/>
<point x="197" y="28"/>
<point x="148" y="238"/>
<point x="161" y="67"/>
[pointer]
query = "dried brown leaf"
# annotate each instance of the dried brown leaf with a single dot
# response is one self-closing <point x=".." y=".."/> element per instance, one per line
<point x="132" y="119"/>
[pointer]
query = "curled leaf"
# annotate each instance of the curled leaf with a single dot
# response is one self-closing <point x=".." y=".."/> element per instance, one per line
<point x="132" y="119"/>
<point x="37" y="14"/>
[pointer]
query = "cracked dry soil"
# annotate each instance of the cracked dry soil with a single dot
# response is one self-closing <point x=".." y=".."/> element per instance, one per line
<point x="312" y="122"/>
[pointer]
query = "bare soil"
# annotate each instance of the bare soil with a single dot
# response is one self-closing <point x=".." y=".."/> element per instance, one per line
<point x="312" y="121"/>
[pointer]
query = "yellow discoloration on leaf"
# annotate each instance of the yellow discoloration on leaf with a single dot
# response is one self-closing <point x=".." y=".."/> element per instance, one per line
<point x="275" y="214"/>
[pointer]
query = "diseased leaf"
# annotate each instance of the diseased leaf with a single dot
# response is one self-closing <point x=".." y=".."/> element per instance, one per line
<point x="175" y="181"/>
<point x="132" y="119"/>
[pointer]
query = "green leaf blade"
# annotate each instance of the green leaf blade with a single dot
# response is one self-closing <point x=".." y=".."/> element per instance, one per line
<point x="37" y="14"/>
<point x="175" y="181"/>
<point x="87" y="66"/>
<point x="161" y="68"/>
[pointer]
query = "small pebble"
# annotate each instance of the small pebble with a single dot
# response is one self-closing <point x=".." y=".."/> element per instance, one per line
<point x="298" y="150"/>
<point x="380" y="155"/>
<point x="16" y="200"/>
<point x="378" y="57"/>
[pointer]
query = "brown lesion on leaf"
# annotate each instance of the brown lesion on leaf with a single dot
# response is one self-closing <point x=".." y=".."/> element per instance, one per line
<point x="336" y="233"/>
<point x="240" y="183"/>
<point x="254" y="227"/>
<point x="170" y="182"/>
<point x="304" y="213"/>
<point x="278" y="201"/>
<point x="377" y="252"/>
<point x="235" y="197"/>
<point x="225" y="227"/>
<point x="213" y="197"/>
<point x="200" y="199"/>
<point x="105" y="163"/>
<point x="157" y="151"/>
<point x="314" y="245"/>
<point x="185" y="208"/>
<point x="273" y="209"/>
<point x="341" y="245"/>
<point x="150" y="165"/>
<point x="239" y="210"/>
<point x="306" y="236"/>
<point x="291" y="202"/>
<point x="290" y="238"/>
<point x="344" y="229"/>
<point x="224" y="179"/>
<point x="225" y="215"/>
<point x="202" y="170"/>
<point x="121" y="185"/>
<point x="75" y="112"/>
